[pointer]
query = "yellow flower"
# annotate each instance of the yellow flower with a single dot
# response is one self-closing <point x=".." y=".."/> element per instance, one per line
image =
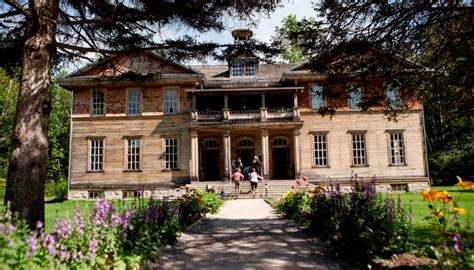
<point x="459" y="210"/>
<point x="437" y="214"/>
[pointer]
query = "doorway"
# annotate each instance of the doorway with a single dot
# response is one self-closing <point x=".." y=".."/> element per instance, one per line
<point x="246" y="150"/>
<point x="210" y="160"/>
<point x="281" y="161"/>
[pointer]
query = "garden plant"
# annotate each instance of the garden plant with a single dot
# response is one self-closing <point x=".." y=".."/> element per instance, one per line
<point x="111" y="237"/>
<point x="362" y="225"/>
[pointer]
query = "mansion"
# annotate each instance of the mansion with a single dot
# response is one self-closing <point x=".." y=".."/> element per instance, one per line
<point x="140" y="121"/>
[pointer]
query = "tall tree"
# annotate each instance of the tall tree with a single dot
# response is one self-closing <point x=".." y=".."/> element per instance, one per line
<point x="288" y="43"/>
<point x="52" y="28"/>
<point x="437" y="34"/>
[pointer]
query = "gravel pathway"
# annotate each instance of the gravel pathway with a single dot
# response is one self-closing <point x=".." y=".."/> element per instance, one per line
<point x="246" y="234"/>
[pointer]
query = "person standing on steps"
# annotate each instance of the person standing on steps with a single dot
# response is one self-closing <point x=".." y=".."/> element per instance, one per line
<point x="257" y="164"/>
<point x="254" y="177"/>
<point x="237" y="177"/>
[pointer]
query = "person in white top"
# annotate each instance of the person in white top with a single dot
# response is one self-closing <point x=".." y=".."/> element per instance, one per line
<point x="254" y="177"/>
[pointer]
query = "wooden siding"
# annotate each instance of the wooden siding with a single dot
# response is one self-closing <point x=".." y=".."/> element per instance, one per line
<point x="375" y="125"/>
<point x="152" y="133"/>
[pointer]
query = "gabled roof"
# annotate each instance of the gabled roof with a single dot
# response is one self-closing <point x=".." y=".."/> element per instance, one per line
<point x="142" y="62"/>
<point x="127" y="69"/>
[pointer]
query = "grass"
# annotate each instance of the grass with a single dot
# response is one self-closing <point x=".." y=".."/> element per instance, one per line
<point x="465" y="199"/>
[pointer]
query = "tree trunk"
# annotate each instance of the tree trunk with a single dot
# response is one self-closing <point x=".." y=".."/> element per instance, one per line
<point x="29" y="149"/>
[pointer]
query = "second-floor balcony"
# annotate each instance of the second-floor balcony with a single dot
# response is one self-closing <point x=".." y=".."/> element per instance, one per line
<point x="234" y="116"/>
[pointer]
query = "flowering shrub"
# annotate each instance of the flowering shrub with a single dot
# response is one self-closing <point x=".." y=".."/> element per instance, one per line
<point x="195" y="204"/>
<point x="358" y="225"/>
<point x="108" y="239"/>
<point x="454" y="247"/>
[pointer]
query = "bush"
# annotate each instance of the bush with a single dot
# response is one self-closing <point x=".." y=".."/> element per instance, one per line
<point x="196" y="203"/>
<point x="357" y="226"/>
<point x="108" y="239"/>
<point x="56" y="189"/>
<point x="295" y="204"/>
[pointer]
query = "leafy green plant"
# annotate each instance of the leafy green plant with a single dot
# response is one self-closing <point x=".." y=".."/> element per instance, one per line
<point x="56" y="189"/>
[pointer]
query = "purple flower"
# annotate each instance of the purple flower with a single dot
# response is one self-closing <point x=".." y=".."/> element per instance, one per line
<point x="115" y="219"/>
<point x="32" y="242"/>
<point x="10" y="228"/>
<point x="39" y="224"/>
<point x="48" y="242"/>
<point x="92" y="249"/>
<point x="458" y="243"/>
<point x="389" y="207"/>
<point x="63" y="229"/>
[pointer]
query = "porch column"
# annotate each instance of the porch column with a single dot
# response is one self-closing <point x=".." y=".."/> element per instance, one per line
<point x="265" y="154"/>
<point x="226" y="101"/>
<point x="194" y="156"/>
<point x="227" y="161"/>
<point x="295" y="100"/>
<point x="263" y="101"/>
<point x="194" y="102"/>
<point x="296" y="139"/>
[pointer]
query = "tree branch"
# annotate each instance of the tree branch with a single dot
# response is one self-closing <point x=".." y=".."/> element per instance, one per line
<point x="18" y="7"/>
<point x="10" y="14"/>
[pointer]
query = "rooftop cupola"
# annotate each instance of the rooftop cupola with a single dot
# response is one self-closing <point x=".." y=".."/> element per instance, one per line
<point x="241" y="35"/>
<point x="241" y="59"/>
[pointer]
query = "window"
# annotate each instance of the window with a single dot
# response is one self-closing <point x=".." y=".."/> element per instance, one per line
<point x="96" y="155"/>
<point x="130" y="194"/>
<point x="133" y="154"/>
<point x="320" y="150"/>
<point x="245" y="142"/>
<point x="95" y="194"/>
<point x="396" y="151"/>
<point x="241" y="68"/>
<point x="250" y="69"/>
<point x="171" y="101"/>
<point x="134" y="102"/>
<point x="399" y="187"/>
<point x="171" y="154"/>
<point x="355" y="97"/>
<point x="236" y="68"/>
<point x="98" y="102"/>
<point x="317" y="98"/>
<point x="359" y="153"/>
<point x="393" y="97"/>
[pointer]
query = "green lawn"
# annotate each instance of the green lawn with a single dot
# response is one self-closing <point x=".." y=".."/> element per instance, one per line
<point x="465" y="199"/>
<point x="66" y="208"/>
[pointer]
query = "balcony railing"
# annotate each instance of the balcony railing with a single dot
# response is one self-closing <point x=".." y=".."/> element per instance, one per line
<point x="262" y="115"/>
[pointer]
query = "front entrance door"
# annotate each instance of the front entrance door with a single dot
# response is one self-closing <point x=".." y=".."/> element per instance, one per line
<point x="281" y="160"/>
<point x="280" y="163"/>
<point x="210" y="160"/>
<point x="210" y="165"/>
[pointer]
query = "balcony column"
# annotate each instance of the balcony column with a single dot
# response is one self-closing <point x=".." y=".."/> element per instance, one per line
<point x="226" y="101"/>
<point x="295" y="100"/>
<point x="227" y="151"/>
<point x="194" y="102"/>
<point x="296" y="139"/>
<point x="263" y="101"/>
<point x="194" y="156"/>
<point x="265" y="154"/>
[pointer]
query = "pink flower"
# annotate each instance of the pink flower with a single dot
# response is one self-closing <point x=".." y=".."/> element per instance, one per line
<point x="298" y="182"/>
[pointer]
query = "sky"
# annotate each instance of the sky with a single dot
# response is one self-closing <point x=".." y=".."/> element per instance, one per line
<point x="266" y="26"/>
<point x="263" y="31"/>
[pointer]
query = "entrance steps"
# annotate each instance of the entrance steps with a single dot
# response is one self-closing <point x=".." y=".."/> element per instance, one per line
<point x="267" y="188"/>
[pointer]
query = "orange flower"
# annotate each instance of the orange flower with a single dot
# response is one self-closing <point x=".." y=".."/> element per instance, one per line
<point x="443" y="196"/>
<point x="464" y="184"/>
<point x="459" y="210"/>
<point x="428" y="195"/>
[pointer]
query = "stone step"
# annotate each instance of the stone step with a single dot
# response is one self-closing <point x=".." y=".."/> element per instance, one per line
<point x="274" y="188"/>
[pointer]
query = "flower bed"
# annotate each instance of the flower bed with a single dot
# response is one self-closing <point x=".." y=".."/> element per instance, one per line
<point x="120" y="239"/>
<point x="362" y="225"/>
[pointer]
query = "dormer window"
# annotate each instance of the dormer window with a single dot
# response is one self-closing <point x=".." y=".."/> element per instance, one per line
<point x="237" y="68"/>
<point x="240" y="68"/>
